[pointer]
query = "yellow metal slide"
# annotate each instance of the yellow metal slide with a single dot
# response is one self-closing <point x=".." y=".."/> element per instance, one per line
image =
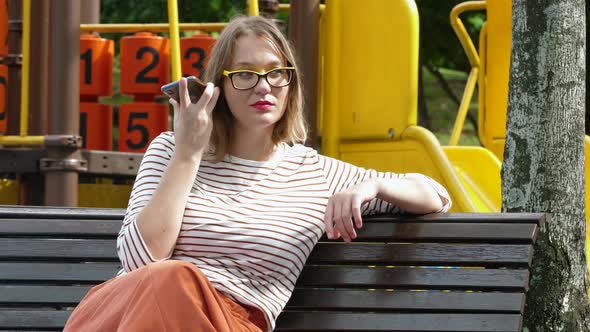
<point x="369" y="104"/>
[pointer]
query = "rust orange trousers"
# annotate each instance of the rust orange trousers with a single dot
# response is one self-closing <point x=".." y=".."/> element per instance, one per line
<point x="167" y="296"/>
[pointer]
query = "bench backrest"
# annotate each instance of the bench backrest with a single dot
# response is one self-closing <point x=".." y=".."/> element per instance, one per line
<point x="391" y="279"/>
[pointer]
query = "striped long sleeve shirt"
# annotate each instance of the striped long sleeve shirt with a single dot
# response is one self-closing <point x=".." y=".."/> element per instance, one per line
<point x="249" y="226"/>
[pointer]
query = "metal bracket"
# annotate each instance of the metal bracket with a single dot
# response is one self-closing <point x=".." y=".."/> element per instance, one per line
<point x="112" y="162"/>
<point x="20" y="161"/>
<point x="65" y="141"/>
<point x="13" y="60"/>
<point x="15" y="25"/>
<point x="67" y="164"/>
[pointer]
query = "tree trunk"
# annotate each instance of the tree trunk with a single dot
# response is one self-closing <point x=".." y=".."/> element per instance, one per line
<point x="543" y="168"/>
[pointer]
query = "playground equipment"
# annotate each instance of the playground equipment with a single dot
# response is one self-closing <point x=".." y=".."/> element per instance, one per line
<point x="367" y="101"/>
<point x="144" y="67"/>
<point x="370" y="103"/>
<point x="383" y="136"/>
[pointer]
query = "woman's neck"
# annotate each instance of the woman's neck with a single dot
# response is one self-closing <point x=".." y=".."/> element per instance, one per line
<point x="252" y="146"/>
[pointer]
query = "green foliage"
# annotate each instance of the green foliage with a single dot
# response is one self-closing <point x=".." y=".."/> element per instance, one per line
<point x="156" y="11"/>
<point x="440" y="46"/>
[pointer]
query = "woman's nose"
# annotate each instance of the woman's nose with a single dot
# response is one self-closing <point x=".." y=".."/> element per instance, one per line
<point x="262" y="87"/>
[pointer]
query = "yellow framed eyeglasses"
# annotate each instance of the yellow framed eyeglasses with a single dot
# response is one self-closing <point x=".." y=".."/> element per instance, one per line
<point x="247" y="79"/>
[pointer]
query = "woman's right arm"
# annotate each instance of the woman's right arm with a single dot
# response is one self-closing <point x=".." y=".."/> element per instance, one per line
<point x="159" y="221"/>
<point x="154" y="179"/>
<point x="164" y="181"/>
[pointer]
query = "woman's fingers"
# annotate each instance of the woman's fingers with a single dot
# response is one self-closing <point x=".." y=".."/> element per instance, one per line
<point x="175" y="105"/>
<point x="328" y="220"/>
<point x="338" y="218"/>
<point x="206" y="97"/>
<point x="343" y="220"/>
<point x="213" y="100"/>
<point x="347" y="218"/>
<point x="183" y="96"/>
<point x="356" y="211"/>
<point x="340" y="212"/>
<point x="336" y="234"/>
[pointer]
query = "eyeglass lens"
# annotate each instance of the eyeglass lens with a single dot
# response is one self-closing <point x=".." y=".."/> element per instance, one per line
<point x="276" y="78"/>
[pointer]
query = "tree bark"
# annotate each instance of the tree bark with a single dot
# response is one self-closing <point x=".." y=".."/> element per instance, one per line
<point x="543" y="168"/>
<point x="587" y="115"/>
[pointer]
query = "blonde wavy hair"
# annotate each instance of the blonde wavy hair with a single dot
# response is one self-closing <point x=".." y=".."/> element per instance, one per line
<point x="291" y="128"/>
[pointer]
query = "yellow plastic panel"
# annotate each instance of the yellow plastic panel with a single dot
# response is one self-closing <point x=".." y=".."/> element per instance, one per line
<point x="8" y="192"/>
<point x="497" y="73"/>
<point x="103" y="195"/>
<point x="417" y="152"/>
<point x="371" y="79"/>
<point x="497" y="147"/>
<point x="479" y="172"/>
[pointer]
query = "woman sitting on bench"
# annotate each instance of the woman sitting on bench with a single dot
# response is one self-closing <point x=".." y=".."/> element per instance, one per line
<point x="226" y="209"/>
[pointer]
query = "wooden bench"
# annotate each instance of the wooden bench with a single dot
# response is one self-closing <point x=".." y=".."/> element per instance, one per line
<point x="390" y="279"/>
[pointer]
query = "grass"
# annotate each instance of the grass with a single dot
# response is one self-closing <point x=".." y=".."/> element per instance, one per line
<point x="443" y="110"/>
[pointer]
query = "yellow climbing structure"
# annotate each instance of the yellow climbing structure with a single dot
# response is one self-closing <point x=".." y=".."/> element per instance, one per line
<point x="369" y="72"/>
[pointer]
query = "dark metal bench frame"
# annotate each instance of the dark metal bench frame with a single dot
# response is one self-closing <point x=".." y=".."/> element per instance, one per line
<point x="390" y="279"/>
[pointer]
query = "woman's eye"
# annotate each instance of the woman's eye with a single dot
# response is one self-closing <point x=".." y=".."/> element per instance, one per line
<point x="277" y="73"/>
<point x="244" y="74"/>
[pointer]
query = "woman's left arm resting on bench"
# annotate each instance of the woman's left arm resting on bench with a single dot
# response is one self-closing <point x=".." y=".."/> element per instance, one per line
<point x="412" y="193"/>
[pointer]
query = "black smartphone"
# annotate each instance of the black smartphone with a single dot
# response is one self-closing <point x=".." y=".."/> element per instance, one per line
<point x="195" y="89"/>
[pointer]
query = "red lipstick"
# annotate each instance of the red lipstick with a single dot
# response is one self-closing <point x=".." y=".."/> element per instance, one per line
<point x="262" y="105"/>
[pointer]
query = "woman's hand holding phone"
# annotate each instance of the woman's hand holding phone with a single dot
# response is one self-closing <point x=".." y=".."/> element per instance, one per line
<point x="193" y="121"/>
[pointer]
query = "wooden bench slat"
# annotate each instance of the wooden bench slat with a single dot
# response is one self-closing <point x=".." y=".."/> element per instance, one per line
<point x="58" y="272"/>
<point x="326" y="253"/>
<point x="40" y="212"/>
<point x="423" y="254"/>
<point x="339" y="321"/>
<point x="19" y="295"/>
<point x="311" y="276"/>
<point x="61" y="227"/>
<point x="414" y="278"/>
<point x="527" y="218"/>
<point x="410" y="301"/>
<point x="36" y="330"/>
<point x="447" y="232"/>
<point x="59" y="249"/>
<point x="315" y="299"/>
<point x="34" y="319"/>
<point x="373" y="230"/>
<point x="314" y="321"/>
<point x="51" y="212"/>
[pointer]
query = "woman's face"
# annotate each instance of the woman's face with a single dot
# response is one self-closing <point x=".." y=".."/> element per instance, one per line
<point x="262" y="106"/>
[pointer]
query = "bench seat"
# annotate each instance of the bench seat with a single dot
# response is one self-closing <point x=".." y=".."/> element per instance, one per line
<point x="454" y="272"/>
